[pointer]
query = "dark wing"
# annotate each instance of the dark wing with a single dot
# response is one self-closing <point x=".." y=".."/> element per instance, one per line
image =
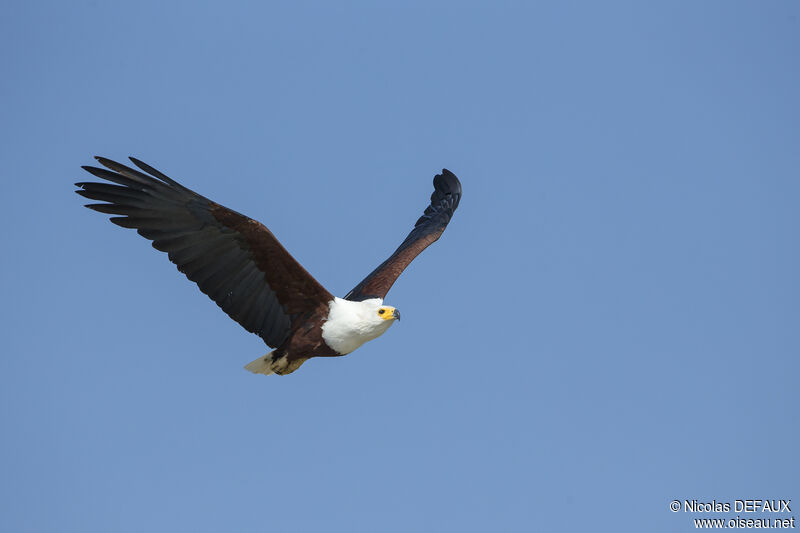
<point x="444" y="200"/>
<point x="234" y="259"/>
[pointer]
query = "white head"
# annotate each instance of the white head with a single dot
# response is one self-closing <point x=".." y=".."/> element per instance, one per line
<point x="351" y="324"/>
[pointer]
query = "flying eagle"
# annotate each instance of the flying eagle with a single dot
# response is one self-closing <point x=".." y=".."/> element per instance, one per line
<point x="240" y="264"/>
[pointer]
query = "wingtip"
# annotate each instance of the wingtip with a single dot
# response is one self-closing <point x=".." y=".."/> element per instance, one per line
<point x="447" y="174"/>
<point x="447" y="181"/>
<point x="106" y="162"/>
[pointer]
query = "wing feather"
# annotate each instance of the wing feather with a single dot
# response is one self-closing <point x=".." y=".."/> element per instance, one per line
<point x="234" y="259"/>
<point x="428" y="229"/>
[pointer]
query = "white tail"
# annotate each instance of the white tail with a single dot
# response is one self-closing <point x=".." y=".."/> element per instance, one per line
<point x="267" y="364"/>
<point x="262" y="365"/>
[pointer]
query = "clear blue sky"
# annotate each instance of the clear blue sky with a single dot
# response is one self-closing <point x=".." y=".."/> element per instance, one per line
<point x="609" y="323"/>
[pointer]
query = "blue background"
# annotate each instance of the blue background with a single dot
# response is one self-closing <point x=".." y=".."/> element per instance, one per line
<point x="609" y="323"/>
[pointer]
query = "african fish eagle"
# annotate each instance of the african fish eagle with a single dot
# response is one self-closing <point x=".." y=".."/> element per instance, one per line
<point x="240" y="264"/>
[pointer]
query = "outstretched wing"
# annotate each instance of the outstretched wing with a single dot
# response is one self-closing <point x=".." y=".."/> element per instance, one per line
<point x="444" y="200"/>
<point x="234" y="259"/>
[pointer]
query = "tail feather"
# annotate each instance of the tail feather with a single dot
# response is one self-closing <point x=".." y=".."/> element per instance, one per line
<point x="268" y="364"/>
<point x="262" y="365"/>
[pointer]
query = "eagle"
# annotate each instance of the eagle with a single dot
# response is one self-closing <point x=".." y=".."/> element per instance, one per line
<point x="245" y="270"/>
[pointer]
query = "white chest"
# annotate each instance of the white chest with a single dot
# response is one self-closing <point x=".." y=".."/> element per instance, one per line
<point x="351" y="324"/>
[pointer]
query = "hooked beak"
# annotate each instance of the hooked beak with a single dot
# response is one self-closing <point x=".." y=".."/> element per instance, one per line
<point x="396" y="314"/>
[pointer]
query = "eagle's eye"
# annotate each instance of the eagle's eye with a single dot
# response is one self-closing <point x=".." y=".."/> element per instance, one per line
<point x="381" y="311"/>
